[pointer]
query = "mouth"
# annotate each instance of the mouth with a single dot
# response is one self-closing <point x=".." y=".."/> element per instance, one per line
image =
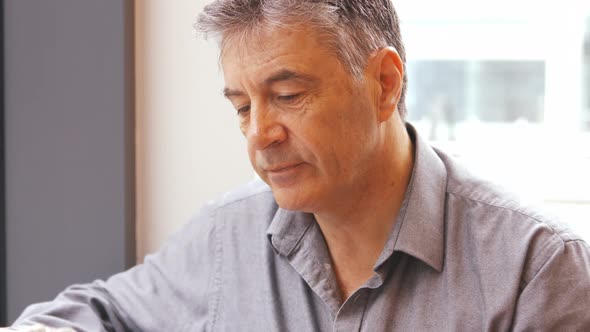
<point x="284" y="175"/>
<point x="277" y="169"/>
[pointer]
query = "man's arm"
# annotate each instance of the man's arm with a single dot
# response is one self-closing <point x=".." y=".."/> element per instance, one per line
<point x="557" y="298"/>
<point x="87" y="307"/>
<point x="167" y="292"/>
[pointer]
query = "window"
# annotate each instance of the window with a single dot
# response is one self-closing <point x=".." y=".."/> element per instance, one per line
<point x="505" y="87"/>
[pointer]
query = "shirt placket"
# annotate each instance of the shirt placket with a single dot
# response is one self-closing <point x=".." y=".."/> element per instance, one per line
<point x="350" y="316"/>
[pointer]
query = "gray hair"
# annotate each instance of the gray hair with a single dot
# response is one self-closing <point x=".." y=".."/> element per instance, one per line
<point x="352" y="29"/>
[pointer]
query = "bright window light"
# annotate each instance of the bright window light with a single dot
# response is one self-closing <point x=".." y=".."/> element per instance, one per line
<point x="505" y="86"/>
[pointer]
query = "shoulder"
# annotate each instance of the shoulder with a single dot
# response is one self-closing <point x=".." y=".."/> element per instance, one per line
<point x="253" y="193"/>
<point x="495" y="222"/>
<point x="244" y="203"/>
<point x="252" y="200"/>
<point x="493" y="203"/>
<point x="250" y="206"/>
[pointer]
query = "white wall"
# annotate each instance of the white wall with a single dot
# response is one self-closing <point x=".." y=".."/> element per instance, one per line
<point x="189" y="146"/>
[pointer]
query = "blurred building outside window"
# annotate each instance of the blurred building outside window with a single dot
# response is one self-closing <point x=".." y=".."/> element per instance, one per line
<point x="505" y="87"/>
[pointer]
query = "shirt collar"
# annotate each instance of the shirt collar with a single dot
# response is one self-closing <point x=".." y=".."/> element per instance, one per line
<point x="419" y="227"/>
<point x="287" y="228"/>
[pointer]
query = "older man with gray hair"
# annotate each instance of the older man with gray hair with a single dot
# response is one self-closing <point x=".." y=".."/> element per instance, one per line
<point x="357" y="225"/>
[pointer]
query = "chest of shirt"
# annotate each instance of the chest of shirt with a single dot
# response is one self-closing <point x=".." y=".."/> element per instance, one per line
<point x="265" y="292"/>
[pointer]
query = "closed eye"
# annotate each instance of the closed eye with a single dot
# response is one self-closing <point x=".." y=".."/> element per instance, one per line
<point x="289" y="98"/>
<point x="243" y="110"/>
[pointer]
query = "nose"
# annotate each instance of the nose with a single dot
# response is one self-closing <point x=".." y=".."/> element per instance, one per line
<point x="264" y="128"/>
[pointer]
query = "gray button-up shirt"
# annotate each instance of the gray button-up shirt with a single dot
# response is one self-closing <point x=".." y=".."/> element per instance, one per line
<point x="463" y="256"/>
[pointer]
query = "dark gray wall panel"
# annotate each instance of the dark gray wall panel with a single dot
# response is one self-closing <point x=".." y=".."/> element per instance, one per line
<point x="2" y="200"/>
<point x="69" y="152"/>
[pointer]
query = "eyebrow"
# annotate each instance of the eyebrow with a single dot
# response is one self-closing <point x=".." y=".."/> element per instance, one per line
<point x="228" y="93"/>
<point x="280" y="76"/>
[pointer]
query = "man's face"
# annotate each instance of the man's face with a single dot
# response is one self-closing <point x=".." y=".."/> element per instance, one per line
<point x="311" y="130"/>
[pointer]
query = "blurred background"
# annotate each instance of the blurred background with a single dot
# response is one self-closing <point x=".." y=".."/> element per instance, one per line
<point x="115" y="130"/>
<point x="505" y="86"/>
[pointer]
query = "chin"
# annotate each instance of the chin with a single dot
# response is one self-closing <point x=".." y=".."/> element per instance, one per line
<point x="293" y="201"/>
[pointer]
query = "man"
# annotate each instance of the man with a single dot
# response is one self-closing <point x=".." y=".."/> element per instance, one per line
<point x="358" y="224"/>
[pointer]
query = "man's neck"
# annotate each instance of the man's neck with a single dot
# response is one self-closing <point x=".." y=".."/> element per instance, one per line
<point x="357" y="229"/>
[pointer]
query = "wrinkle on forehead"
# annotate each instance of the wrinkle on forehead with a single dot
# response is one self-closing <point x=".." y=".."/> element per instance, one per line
<point x="262" y="38"/>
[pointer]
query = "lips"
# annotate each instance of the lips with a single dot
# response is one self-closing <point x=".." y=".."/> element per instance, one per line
<point x="284" y="175"/>
<point x="282" y="167"/>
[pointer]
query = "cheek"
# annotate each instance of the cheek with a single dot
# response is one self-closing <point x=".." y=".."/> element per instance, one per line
<point x="351" y="133"/>
<point x="243" y="127"/>
<point x="252" y="156"/>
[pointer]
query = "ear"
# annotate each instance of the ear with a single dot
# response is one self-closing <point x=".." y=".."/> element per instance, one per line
<point x="388" y="72"/>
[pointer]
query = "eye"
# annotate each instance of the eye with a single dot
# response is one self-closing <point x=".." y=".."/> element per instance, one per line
<point x="243" y="110"/>
<point x="289" y="98"/>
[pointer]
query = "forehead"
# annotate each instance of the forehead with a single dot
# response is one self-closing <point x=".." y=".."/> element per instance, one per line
<point x="252" y="56"/>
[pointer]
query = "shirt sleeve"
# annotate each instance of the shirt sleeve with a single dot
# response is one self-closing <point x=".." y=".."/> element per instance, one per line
<point x="171" y="291"/>
<point x="557" y="298"/>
